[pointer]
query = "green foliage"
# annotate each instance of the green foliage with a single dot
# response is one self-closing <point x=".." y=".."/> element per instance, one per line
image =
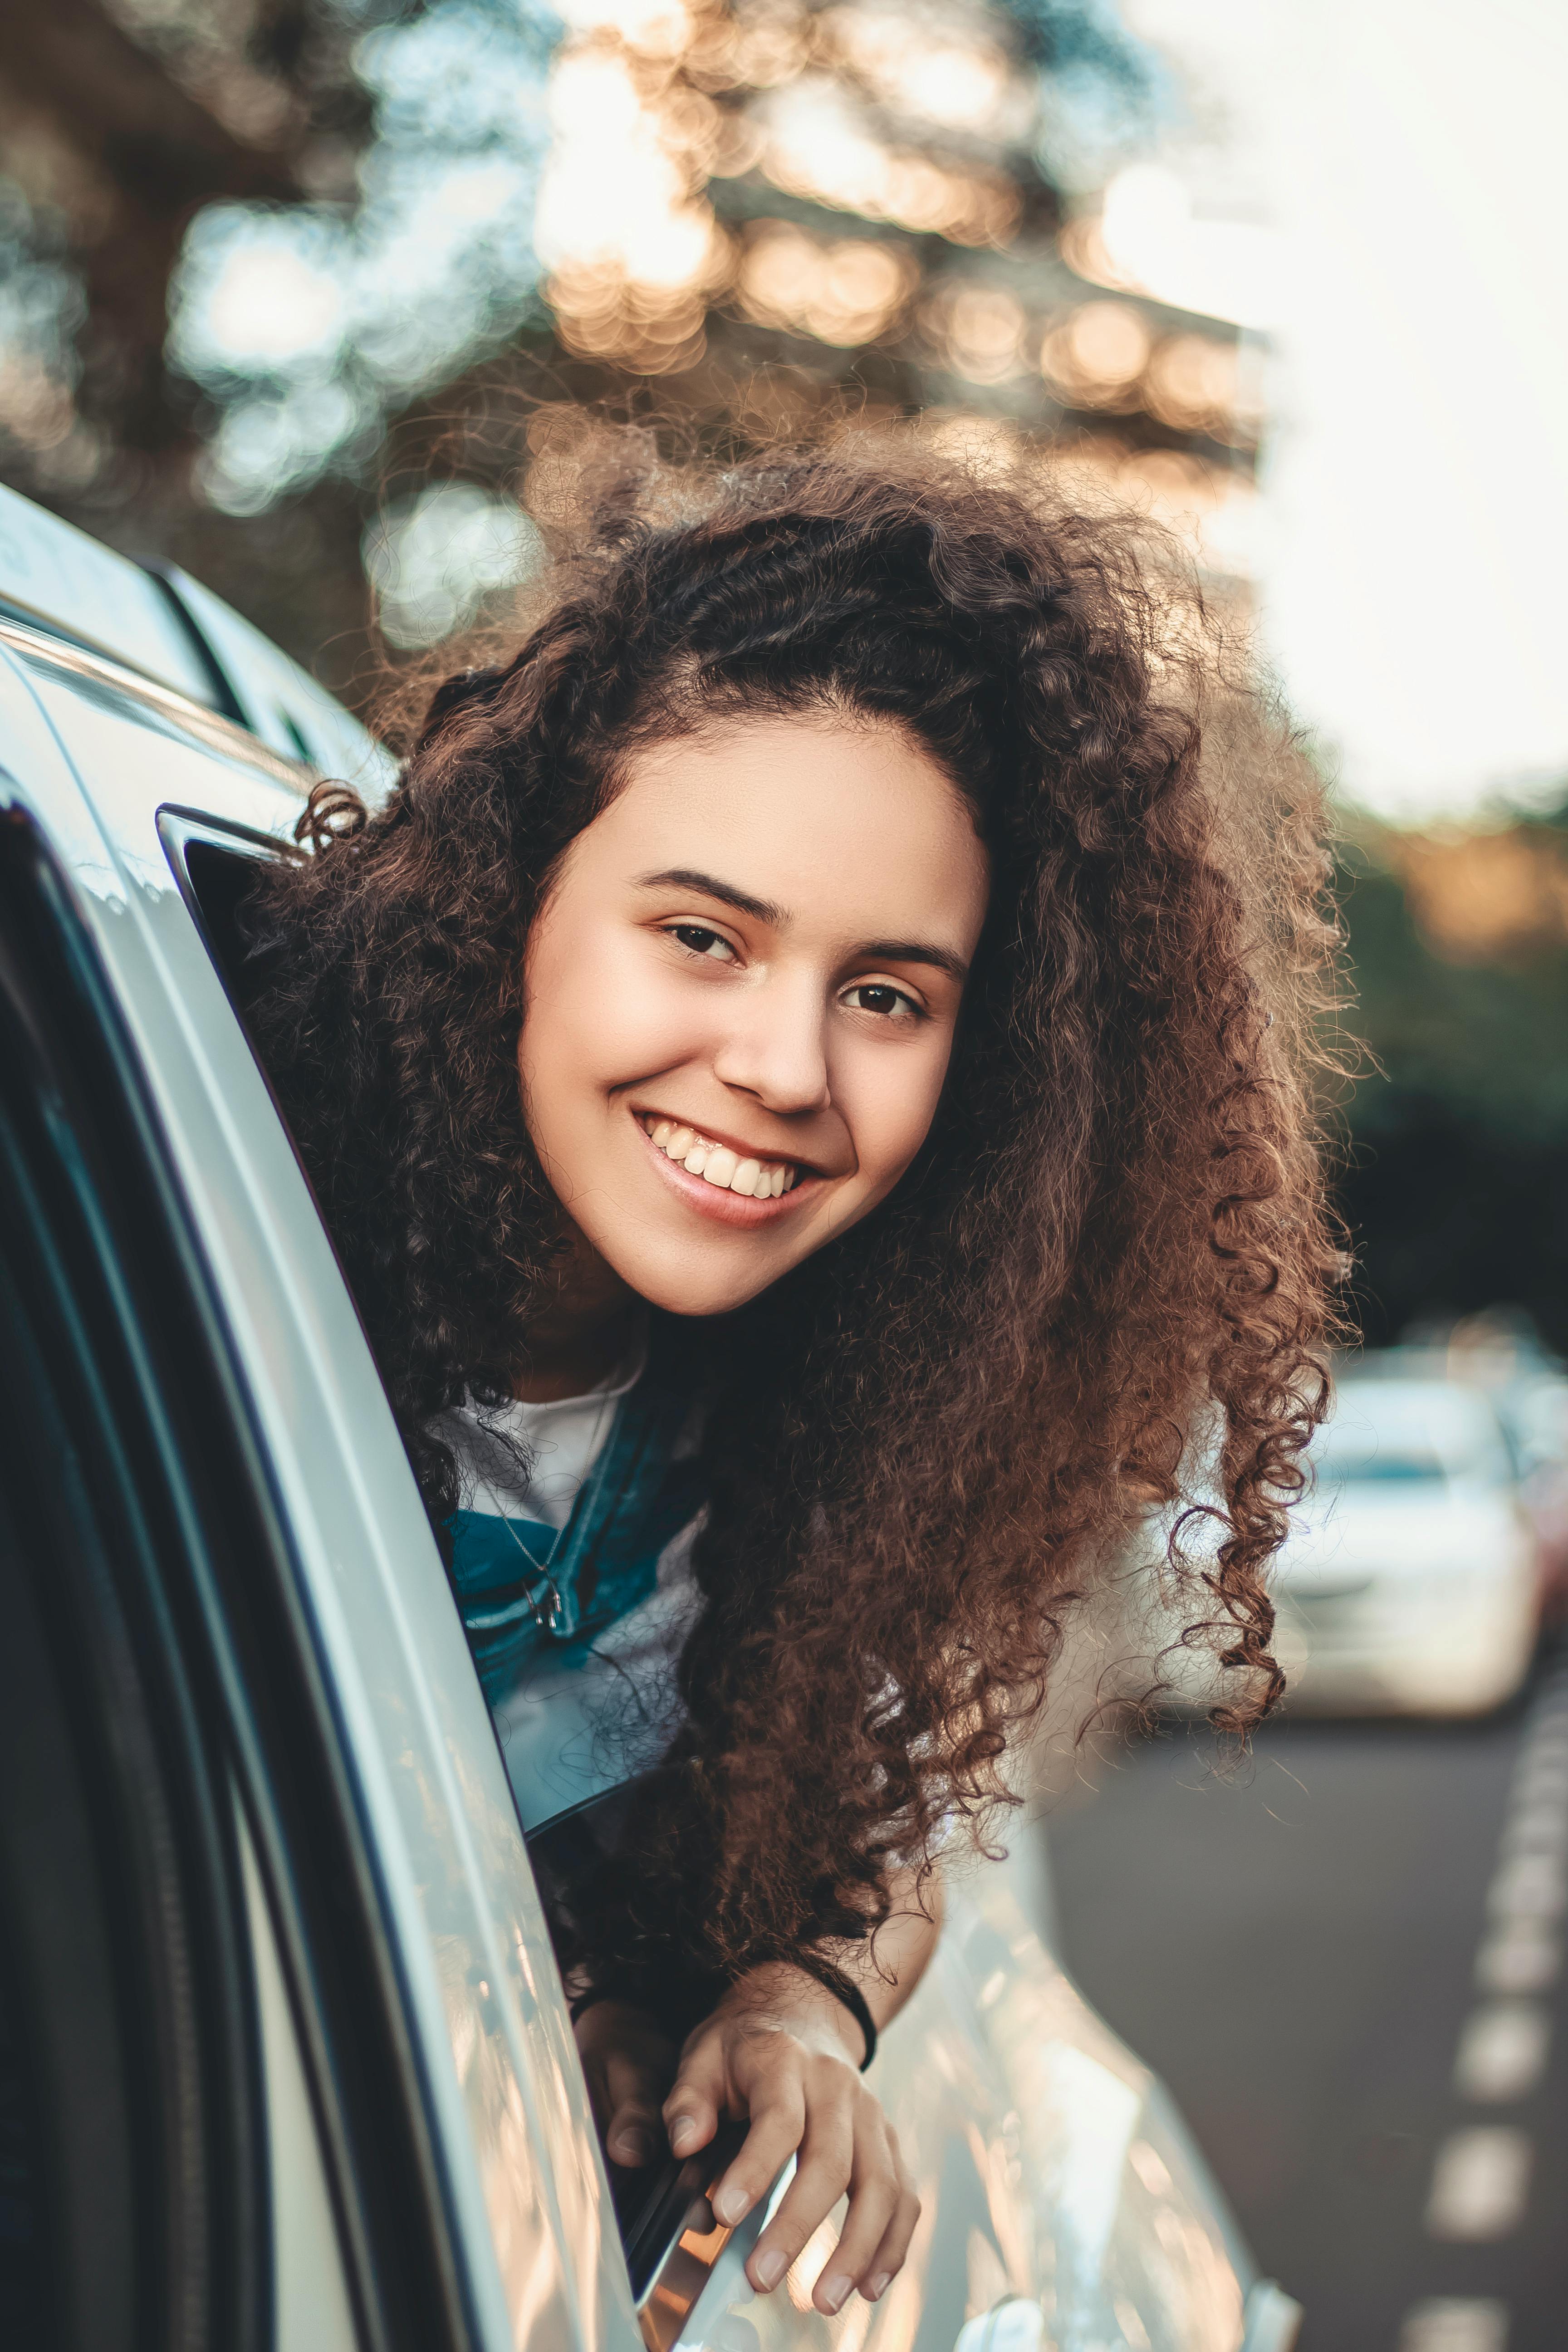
<point x="1456" y="1182"/>
<point x="1486" y="1041"/>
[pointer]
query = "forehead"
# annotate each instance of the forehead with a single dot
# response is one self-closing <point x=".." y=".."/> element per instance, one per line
<point x="847" y="824"/>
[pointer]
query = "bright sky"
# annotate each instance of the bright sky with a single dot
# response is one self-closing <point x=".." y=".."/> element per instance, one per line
<point x="1411" y="159"/>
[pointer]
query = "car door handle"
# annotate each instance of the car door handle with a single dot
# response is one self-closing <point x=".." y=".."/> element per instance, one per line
<point x="671" y="2236"/>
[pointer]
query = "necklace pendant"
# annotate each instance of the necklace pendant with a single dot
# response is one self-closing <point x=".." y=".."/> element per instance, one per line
<point x="560" y="1617"/>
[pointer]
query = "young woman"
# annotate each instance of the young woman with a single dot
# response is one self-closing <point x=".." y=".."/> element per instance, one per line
<point x="802" y="1076"/>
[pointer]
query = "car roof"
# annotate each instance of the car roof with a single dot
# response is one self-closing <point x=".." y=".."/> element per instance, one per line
<point x="169" y="631"/>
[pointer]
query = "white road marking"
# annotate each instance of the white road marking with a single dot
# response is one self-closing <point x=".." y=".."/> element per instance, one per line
<point x="1502" y="2050"/>
<point x="1521" y="1955"/>
<point x="1450" y="2323"/>
<point x="1480" y="2181"/>
<point x="1543" y="1786"/>
<point x="1530" y="1884"/>
<point x="1480" y="2177"/>
<point x="1537" y="1824"/>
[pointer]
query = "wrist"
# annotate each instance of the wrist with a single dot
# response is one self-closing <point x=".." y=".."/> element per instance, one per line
<point x="847" y="2026"/>
<point x="799" y="1991"/>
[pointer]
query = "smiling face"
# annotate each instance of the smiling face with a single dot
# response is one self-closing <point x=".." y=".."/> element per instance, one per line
<point x="742" y="994"/>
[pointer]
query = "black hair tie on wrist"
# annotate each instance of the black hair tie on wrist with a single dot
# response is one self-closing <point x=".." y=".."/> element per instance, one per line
<point x="812" y="1964"/>
<point x="845" y="1991"/>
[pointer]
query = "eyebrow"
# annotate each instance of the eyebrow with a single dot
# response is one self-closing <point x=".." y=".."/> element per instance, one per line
<point x="763" y="910"/>
<point x="914" y="951"/>
<point x="686" y="878"/>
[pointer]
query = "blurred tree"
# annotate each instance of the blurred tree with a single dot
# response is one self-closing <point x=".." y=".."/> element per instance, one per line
<point x="128" y="155"/>
<point x="424" y="219"/>
<point x="1457" y="1190"/>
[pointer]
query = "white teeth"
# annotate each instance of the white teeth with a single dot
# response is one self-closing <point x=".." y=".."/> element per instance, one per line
<point x="717" y="1164"/>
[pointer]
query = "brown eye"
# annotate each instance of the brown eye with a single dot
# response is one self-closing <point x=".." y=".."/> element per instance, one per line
<point x="878" y="996"/>
<point x="702" y="941"/>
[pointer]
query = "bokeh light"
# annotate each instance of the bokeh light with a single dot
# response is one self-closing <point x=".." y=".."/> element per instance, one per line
<point x="434" y="558"/>
<point x="1146" y="236"/>
<point x="978" y="330"/>
<point x="818" y="144"/>
<point x="42" y="306"/>
<point x="307" y="327"/>
<point x="1096" y="355"/>
<point x="926" y="64"/>
<point x="843" y="291"/>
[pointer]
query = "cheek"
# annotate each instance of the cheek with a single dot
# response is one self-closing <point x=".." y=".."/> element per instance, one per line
<point x="599" y="1014"/>
<point x="893" y="1102"/>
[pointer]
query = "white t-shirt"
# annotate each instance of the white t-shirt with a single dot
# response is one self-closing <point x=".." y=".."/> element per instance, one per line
<point x="560" y="1441"/>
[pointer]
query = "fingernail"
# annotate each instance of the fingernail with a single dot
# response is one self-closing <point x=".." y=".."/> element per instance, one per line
<point x="879" y="2286"/>
<point x="634" y="2146"/>
<point x="730" y="2204"/>
<point x="680" y="2131"/>
<point x="833" y="2290"/>
<point x="770" y="2267"/>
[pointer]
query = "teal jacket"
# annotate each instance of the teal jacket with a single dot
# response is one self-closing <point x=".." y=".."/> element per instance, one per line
<point x="524" y="1588"/>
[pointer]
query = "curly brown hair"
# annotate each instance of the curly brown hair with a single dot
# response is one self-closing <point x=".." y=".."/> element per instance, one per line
<point x="1110" y="1259"/>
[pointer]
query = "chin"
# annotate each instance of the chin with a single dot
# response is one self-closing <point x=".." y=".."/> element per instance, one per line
<point x="696" y="1291"/>
<point x="698" y="1300"/>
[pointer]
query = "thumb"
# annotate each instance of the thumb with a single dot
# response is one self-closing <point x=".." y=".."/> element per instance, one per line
<point x="692" y="2109"/>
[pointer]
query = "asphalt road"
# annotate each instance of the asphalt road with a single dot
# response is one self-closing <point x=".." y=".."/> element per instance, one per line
<point x="1297" y="1947"/>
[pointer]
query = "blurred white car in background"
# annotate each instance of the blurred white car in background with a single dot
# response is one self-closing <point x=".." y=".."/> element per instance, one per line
<point x="1536" y="1415"/>
<point x="1410" y="1582"/>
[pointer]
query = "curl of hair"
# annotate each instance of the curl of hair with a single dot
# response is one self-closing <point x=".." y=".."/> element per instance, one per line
<point x="1112" y="1247"/>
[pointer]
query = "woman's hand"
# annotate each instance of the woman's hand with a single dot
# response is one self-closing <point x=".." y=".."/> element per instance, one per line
<point x="780" y="2050"/>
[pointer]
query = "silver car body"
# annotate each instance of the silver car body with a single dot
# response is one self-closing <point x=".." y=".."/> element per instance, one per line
<point x="1063" y="2204"/>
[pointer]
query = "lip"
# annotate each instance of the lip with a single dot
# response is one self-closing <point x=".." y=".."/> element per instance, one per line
<point x="737" y="1144"/>
<point x="735" y="1209"/>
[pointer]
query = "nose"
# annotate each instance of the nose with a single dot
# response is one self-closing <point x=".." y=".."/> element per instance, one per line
<point x="773" y="1046"/>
